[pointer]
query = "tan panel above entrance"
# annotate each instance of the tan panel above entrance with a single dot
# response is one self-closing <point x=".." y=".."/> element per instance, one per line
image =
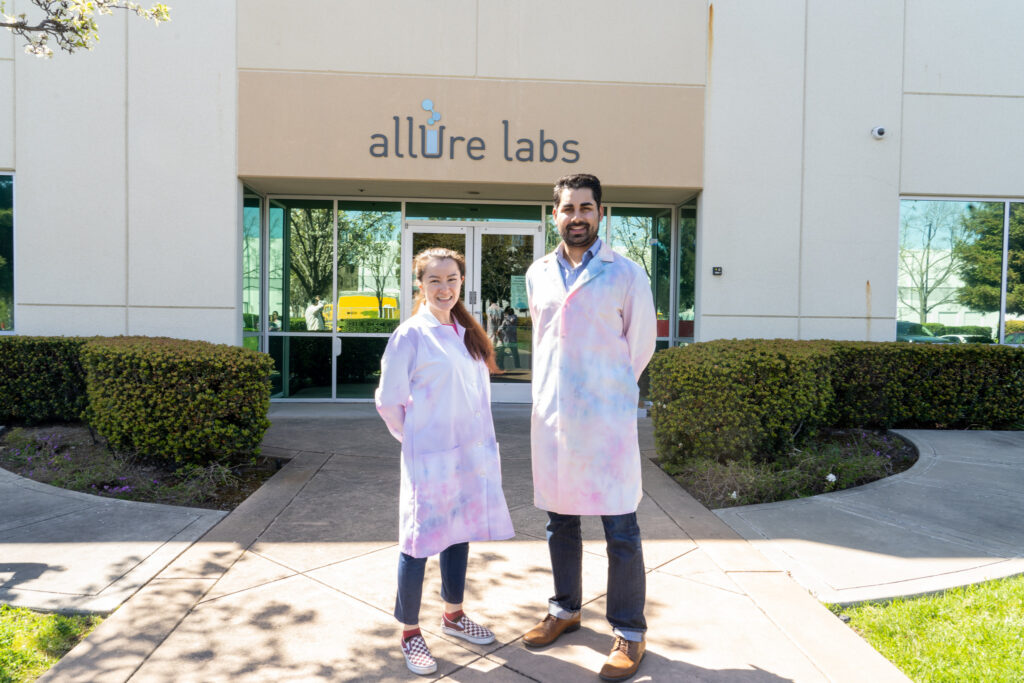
<point x="331" y="126"/>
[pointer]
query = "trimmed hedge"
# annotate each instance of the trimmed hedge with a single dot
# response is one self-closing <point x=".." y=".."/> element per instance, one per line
<point x="189" y="401"/>
<point x="41" y="379"/>
<point x="733" y="399"/>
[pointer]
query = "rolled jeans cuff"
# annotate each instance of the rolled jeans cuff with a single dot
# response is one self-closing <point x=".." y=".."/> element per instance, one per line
<point x="556" y="610"/>
<point x="628" y="634"/>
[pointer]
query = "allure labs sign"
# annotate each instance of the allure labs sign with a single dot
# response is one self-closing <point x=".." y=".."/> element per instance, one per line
<point x="431" y="141"/>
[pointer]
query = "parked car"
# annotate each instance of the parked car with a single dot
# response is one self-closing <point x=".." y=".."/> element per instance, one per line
<point x="916" y="333"/>
<point x="1015" y="338"/>
<point x="968" y="338"/>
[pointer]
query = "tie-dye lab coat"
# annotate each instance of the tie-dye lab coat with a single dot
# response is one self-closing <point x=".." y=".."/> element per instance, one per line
<point x="590" y="345"/>
<point x="436" y="399"/>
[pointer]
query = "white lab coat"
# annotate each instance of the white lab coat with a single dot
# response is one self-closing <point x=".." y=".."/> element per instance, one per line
<point x="590" y="345"/>
<point x="436" y="399"/>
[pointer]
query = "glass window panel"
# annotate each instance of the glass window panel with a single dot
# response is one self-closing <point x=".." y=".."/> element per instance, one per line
<point x="301" y="256"/>
<point x="1015" y="277"/>
<point x="506" y="317"/>
<point x="251" y="264"/>
<point x="687" y="271"/>
<point x="369" y="248"/>
<point x="472" y="212"/>
<point x="359" y="366"/>
<point x="950" y="269"/>
<point x="551" y="236"/>
<point x="305" y="362"/>
<point x="645" y="236"/>
<point x="6" y="252"/>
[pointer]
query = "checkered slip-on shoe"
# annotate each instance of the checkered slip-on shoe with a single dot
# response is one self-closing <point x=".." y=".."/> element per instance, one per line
<point x="468" y="630"/>
<point x="417" y="655"/>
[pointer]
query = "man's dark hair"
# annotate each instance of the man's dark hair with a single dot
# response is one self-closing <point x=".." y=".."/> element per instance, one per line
<point x="577" y="181"/>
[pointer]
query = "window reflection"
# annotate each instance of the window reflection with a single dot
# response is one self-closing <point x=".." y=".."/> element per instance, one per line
<point x="950" y="270"/>
<point x="302" y="367"/>
<point x="368" y="269"/>
<point x="1015" y="276"/>
<point x="358" y="368"/>
<point x="687" y="271"/>
<point x="6" y="252"/>
<point x="251" y="264"/>
<point x="645" y="237"/>
<point x="301" y="262"/>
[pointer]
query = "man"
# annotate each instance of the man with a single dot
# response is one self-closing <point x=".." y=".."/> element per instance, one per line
<point x="314" y="315"/>
<point x="594" y="332"/>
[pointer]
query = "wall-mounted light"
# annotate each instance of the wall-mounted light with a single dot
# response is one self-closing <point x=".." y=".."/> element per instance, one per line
<point x="878" y="133"/>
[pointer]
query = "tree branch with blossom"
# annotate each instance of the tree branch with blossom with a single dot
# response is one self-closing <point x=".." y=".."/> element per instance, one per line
<point x="71" y="24"/>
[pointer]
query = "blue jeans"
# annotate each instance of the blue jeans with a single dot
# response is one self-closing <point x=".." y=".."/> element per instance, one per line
<point x="627" y="580"/>
<point x="410" y="581"/>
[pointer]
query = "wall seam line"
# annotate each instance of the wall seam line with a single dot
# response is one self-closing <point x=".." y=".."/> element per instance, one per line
<point x="803" y="181"/>
<point x="127" y="180"/>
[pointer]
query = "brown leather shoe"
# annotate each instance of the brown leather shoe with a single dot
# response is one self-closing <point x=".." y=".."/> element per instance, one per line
<point x="547" y="631"/>
<point x="624" y="659"/>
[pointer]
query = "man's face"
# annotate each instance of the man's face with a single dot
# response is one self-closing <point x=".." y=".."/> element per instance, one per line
<point x="577" y="217"/>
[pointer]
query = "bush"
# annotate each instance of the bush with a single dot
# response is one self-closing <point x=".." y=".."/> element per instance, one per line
<point x="935" y="328"/>
<point x="967" y="329"/>
<point x="728" y="400"/>
<point x="1014" y="326"/>
<point x="189" y="401"/>
<point x="41" y="379"/>
<point x="368" y="325"/>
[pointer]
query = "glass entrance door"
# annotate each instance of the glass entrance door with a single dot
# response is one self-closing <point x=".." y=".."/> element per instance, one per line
<point x="497" y="256"/>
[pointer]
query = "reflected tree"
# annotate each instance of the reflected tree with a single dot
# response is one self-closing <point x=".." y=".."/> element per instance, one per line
<point x="980" y="258"/>
<point x="503" y="256"/>
<point x="312" y="247"/>
<point x="367" y="242"/>
<point x="928" y="261"/>
<point x="638" y="239"/>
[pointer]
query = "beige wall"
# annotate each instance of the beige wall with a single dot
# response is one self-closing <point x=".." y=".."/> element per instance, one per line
<point x="964" y="99"/>
<point x="6" y="101"/>
<point x="625" y="81"/>
<point x="127" y="193"/>
<point x="310" y="125"/>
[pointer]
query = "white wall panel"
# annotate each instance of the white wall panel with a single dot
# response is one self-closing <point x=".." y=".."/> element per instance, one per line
<point x="7" y="128"/>
<point x="969" y="146"/>
<point x="656" y="41"/>
<point x="215" y="325"/>
<point x="736" y="327"/>
<point x="851" y="180"/>
<point x="383" y="36"/>
<point x="70" y="194"/>
<point x="860" y="329"/>
<point x="182" y="177"/>
<point x="750" y="207"/>
<point x="959" y="47"/>
<point x="86" y="321"/>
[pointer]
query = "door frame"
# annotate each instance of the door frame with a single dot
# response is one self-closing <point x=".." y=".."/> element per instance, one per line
<point x="501" y="392"/>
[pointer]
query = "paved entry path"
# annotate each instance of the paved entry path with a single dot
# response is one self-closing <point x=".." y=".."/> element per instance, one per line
<point x="298" y="584"/>
<point x="952" y="519"/>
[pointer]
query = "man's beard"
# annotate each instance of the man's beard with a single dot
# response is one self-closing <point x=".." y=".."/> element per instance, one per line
<point x="583" y="240"/>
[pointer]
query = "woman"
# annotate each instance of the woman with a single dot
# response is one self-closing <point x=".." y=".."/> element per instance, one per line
<point x="435" y="397"/>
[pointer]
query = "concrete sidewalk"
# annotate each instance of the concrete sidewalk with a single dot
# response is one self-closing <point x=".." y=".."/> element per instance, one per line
<point x="298" y="584"/>
<point x="950" y="520"/>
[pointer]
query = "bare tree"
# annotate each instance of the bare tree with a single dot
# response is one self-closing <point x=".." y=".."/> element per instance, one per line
<point x="929" y="231"/>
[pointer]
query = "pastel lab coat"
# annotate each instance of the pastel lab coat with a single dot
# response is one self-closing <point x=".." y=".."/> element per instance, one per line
<point x="590" y="344"/>
<point x="436" y="399"/>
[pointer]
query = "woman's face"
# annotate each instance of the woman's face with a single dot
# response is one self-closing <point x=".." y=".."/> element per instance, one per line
<point x="441" y="284"/>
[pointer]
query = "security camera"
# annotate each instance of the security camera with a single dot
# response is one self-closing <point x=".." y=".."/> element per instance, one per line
<point x="878" y="133"/>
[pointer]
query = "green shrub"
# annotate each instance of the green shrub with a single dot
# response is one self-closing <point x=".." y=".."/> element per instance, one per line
<point x="1014" y="326"/>
<point x="189" y="401"/>
<point x="962" y="386"/>
<point x="41" y="379"/>
<point x="966" y="329"/>
<point x="935" y="328"/>
<point x="368" y="325"/>
<point x="727" y="400"/>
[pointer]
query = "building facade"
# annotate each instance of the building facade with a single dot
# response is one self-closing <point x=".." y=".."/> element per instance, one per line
<point x="260" y="173"/>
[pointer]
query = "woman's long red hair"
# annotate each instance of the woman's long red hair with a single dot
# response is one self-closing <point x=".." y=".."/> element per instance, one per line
<point x="477" y="343"/>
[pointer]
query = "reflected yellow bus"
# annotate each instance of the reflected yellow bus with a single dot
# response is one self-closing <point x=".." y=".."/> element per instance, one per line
<point x="362" y="306"/>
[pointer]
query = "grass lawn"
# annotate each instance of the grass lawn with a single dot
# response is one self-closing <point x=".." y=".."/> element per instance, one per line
<point x="975" y="633"/>
<point x="31" y="642"/>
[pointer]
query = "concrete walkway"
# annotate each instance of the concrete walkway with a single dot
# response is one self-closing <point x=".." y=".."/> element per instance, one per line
<point x="297" y="584"/>
<point x="952" y="519"/>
